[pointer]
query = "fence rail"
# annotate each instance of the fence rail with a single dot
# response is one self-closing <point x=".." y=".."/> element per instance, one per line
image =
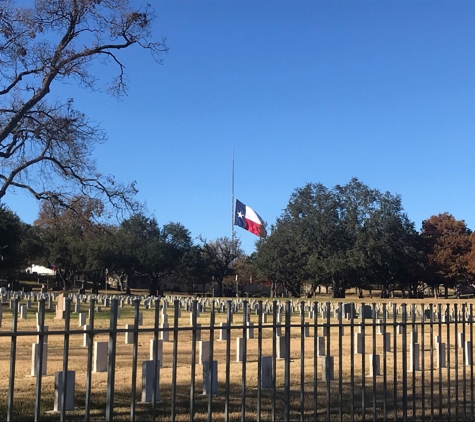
<point x="213" y="359"/>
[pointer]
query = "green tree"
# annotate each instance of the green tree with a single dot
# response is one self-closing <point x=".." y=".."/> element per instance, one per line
<point x="281" y="258"/>
<point x="11" y="237"/>
<point x="245" y="274"/>
<point x="342" y="236"/>
<point x="388" y="251"/>
<point x="45" y="144"/>
<point x="67" y="233"/>
<point x="193" y="269"/>
<point x="145" y="247"/>
<point x="219" y="255"/>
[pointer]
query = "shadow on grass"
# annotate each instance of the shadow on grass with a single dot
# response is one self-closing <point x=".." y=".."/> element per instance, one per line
<point x="378" y="404"/>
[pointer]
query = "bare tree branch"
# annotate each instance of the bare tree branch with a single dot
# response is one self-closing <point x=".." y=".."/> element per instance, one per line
<point x="46" y="146"/>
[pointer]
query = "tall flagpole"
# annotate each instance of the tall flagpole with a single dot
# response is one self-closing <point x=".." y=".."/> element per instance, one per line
<point x="232" y="203"/>
<point x="232" y="221"/>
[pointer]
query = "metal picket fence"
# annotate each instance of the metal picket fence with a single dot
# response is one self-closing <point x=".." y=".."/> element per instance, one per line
<point x="328" y="362"/>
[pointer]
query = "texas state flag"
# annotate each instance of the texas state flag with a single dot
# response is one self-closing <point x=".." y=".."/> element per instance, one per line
<point x="248" y="219"/>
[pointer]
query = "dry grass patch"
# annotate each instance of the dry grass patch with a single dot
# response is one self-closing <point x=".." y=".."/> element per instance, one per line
<point x="350" y="400"/>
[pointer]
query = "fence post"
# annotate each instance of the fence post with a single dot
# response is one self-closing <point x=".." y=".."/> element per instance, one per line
<point x="244" y="361"/>
<point x="302" y="361"/>
<point x="385" y="367"/>
<point x="228" y="359"/>
<point x="194" y="317"/>
<point x="156" y="322"/>
<point x="456" y="361"/>
<point x="274" y="356"/>
<point x="39" y="362"/>
<point x="373" y="369"/>
<point x="352" y="360"/>
<point x="315" y="361"/>
<point x="211" y="358"/>
<point x="447" y="324"/>
<point x="175" y="357"/>
<point x="464" y="359"/>
<point x="259" y="359"/>
<point x="89" y="361"/>
<point x="288" y="313"/>
<point x="423" y="382"/>
<point x="135" y="352"/>
<point x="439" y="310"/>
<point x="395" y="371"/>
<point x="413" y="357"/>
<point x="111" y="363"/>
<point x="11" y="386"/>
<point x="404" y="362"/>
<point x="363" y="362"/>
<point x="431" y="334"/>
<point x="340" y="360"/>
<point x="327" y="367"/>
<point x="472" y="398"/>
<point x="65" y="357"/>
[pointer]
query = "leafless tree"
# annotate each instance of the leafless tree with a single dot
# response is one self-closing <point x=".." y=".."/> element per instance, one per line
<point x="46" y="144"/>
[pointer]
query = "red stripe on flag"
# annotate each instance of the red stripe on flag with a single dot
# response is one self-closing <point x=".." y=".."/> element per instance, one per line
<point x="253" y="227"/>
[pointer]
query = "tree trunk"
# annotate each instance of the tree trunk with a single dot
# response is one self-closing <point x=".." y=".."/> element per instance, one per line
<point x="154" y="286"/>
<point x="338" y="292"/>
<point x="220" y="291"/>
<point x="292" y="290"/>
<point x="273" y="289"/>
<point x="62" y="279"/>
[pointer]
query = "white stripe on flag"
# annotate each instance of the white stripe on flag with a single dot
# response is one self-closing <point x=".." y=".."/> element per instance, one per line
<point x="251" y="215"/>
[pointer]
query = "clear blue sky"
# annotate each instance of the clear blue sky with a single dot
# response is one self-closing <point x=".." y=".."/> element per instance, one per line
<point x="304" y="91"/>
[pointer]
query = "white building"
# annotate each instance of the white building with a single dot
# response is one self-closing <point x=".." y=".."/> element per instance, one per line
<point x="40" y="270"/>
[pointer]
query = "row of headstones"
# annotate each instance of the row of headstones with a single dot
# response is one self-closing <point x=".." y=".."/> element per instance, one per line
<point x="100" y="359"/>
<point x="414" y="352"/>
<point x="105" y="299"/>
<point x="348" y="309"/>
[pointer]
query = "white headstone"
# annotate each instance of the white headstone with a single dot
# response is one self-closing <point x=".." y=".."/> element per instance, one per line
<point x="204" y="352"/>
<point x="387" y="342"/>
<point x="223" y="334"/>
<point x="266" y="371"/>
<point x="461" y="340"/>
<point x="468" y="353"/>
<point x="240" y="355"/>
<point x="58" y="390"/>
<point x="359" y="343"/>
<point x="100" y="356"/>
<point x="35" y="355"/>
<point x="129" y="335"/>
<point x="306" y="329"/>
<point x="86" y="336"/>
<point x="441" y="358"/>
<point x="147" y="381"/>
<point x="82" y="319"/>
<point x="250" y="330"/>
<point x="45" y="336"/>
<point x="374" y="365"/>
<point x="159" y="350"/>
<point x="206" y="377"/>
<point x="165" y="334"/>
<point x="281" y="348"/>
<point x="327" y="368"/>
<point x="320" y="346"/>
